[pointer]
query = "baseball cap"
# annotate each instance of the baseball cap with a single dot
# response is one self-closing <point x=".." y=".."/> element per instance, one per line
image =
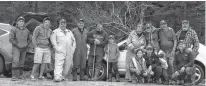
<point x="185" y="21"/>
<point x="47" y="18"/>
<point x="111" y="37"/>
<point x="81" y="20"/>
<point x="149" y="47"/>
<point x="20" y="18"/>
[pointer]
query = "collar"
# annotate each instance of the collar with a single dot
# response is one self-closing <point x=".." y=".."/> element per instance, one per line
<point x="20" y="28"/>
<point x="187" y="30"/>
<point x="66" y="30"/>
<point x="81" y="30"/>
<point x="134" y="32"/>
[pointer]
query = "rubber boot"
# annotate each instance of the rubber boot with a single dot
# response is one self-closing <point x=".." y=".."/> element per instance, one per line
<point x="74" y="74"/>
<point x="14" y="75"/>
<point x="96" y="74"/>
<point x="117" y="78"/>
<point x="109" y="77"/>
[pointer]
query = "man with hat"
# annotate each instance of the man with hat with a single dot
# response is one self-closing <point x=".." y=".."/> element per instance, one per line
<point x="97" y="39"/>
<point x="189" y="37"/>
<point x="184" y="65"/>
<point x="168" y="42"/>
<point x="80" y="54"/>
<point x="20" y="39"/>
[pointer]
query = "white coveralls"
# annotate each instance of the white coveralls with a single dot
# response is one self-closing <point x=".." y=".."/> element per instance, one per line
<point x="64" y="45"/>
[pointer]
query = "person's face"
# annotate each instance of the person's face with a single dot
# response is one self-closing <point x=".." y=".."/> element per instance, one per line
<point x="99" y="27"/>
<point x="163" y="25"/>
<point x="62" y="24"/>
<point x="139" y="54"/>
<point x="81" y="25"/>
<point x="185" y="26"/>
<point x="148" y="28"/>
<point x="111" y="40"/>
<point x="20" y="23"/>
<point x="181" y="47"/>
<point x="47" y="24"/>
<point x="139" y="29"/>
<point x="149" y="51"/>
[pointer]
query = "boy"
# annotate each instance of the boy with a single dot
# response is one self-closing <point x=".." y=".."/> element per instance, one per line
<point x="137" y="67"/>
<point x="112" y="51"/>
<point x="42" y="47"/>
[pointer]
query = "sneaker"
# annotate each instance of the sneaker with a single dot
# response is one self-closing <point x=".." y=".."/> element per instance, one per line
<point x="41" y="78"/>
<point x="14" y="79"/>
<point x="32" y="78"/>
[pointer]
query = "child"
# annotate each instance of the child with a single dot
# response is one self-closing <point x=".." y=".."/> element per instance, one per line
<point x="138" y="66"/>
<point x="112" y="51"/>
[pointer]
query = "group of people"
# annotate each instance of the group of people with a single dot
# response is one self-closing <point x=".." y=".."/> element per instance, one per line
<point x="154" y="55"/>
<point x="160" y="55"/>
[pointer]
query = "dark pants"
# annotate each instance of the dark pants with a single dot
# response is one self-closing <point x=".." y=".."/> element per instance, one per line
<point x="113" y="65"/>
<point x="97" y="62"/>
<point x="158" y="73"/>
<point x="187" y="75"/>
<point x="18" y="60"/>
<point x="139" y="77"/>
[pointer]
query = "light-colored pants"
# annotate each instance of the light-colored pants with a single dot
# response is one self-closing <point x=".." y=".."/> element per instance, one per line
<point x="63" y="63"/>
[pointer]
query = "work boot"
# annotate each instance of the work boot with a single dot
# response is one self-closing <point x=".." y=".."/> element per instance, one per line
<point x="20" y="76"/>
<point x="74" y="74"/>
<point x="82" y="72"/>
<point x="96" y="74"/>
<point x="57" y="79"/>
<point x="117" y="78"/>
<point x="14" y="75"/>
<point x="109" y="77"/>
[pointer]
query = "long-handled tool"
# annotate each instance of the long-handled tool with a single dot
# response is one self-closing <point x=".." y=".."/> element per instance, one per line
<point x="94" y="61"/>
<point x="108" y="63"/>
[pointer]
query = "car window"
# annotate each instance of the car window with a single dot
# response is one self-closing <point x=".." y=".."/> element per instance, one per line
<point x="2" y="32"/>
<point x="123" y="47"/>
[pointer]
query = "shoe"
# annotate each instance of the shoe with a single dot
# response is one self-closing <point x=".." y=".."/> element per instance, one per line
<point x="14" y="79"/>
<point x="41" y="77"/>
<point x="48" y="76"/>
<point x="134" y="81"/>
<point x="32" y="78"/>
<point x="96" y="74"/>
<point x="117" y="78"/>
<point x="166" y="83"/>
<point x="57" y="79"/>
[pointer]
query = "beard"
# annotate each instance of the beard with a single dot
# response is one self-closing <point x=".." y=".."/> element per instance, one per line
<point x="185" y="28"/>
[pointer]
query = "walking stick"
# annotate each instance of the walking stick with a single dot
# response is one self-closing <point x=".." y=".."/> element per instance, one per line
<point x="108" y="63"/>
<point x="94" y="60"/>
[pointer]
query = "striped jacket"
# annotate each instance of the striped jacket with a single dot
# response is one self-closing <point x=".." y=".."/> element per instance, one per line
<point x="191" y="39"/>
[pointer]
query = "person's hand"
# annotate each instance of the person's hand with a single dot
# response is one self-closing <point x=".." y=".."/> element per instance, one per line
<point x="182" y="69"/>
<point x="145" y="74"/>
<point x="96" y="41"/>
<point x="137" y="72"/>
<point x="151" y="73"/>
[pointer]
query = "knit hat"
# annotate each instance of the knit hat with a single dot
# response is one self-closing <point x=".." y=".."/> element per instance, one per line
<point x="46" y="18"/>
<point x="81" y="20"/>
<point x="111" y="37"/>
<point x="139" y="49"/>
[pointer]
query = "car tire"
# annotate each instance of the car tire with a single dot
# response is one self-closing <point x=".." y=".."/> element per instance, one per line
<point x="1" y="65"/>
<point x="103" y="72"/>
<point x="199" y="74"/>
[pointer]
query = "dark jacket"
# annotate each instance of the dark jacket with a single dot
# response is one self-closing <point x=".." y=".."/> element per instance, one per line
<point x="80" y="54"/>
<point x="153" y="60"/>
<point x="102" y="37"/>
<point x="186" y="59"/>
<point x="41" y="37"/>
<point x="19" y="38"/>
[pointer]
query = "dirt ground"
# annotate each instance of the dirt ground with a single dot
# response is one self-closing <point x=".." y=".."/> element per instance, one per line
<point x="27" y="82"/>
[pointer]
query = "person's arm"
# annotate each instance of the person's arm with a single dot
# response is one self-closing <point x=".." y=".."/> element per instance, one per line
<point x="175" y="64"/>
<point x="73" y="42"/>
<point x="54" y="39"/>
<point x="131" y="67"/>
<point x="191" y="56"/>
<point x="129" y="42"/>
<point x="29" y="39"/>
<point x="90" y="38"/>
<point x="175" y="42"/>
<point x="195" y="42"/>
<point x="34" y="37"/>
<point x="12" y="37"/>
<point x="104" y="42"/>
<point x="117" y="50"/>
